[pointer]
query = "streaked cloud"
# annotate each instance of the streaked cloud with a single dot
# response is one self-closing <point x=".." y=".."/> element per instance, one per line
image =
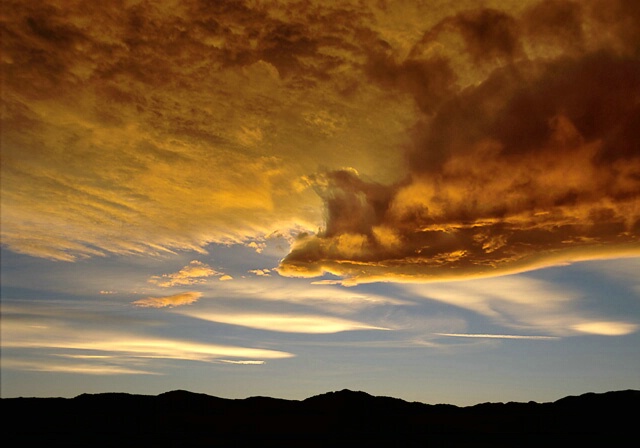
<point x="138" y="137"/>
<point x="52" y="366"/>
<point x="331" y="299"/>
<point x="118" y="345"/>
<point x="525" y="304"/>
<point x="175" y="349"/>
<point x="75" y="342"/>
<point x="185" y="298"/>
<point x="246" y="362"/>
<point x="283" y="322"/>
<point x="496" y="336"/>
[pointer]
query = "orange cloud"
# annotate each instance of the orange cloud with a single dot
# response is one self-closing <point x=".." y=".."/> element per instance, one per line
<point x="286" y="323"/>
<point x="489" y="140"/>
<point x="131" y="136"/>
<point x="195" y="272"/>
<point x="536" y="164"/>
<point x="185" y="298"/>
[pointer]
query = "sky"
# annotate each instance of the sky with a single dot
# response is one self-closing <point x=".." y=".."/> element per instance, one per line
<point x="433" y="200"/>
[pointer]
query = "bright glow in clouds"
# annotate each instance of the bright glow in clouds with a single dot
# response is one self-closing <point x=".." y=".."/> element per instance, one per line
<point x="77" y="368"/>
<point x="523" y="303"/>
<point x="607" y="328"/>
<point x="186" y="298"/>
<point x="195" y="272"/>
<point x="388" y="147"/>
<point x="115" y="349"/>
<point x="312" y="324"/>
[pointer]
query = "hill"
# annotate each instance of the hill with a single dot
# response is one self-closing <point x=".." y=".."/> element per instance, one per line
<point x="182" y="418"/>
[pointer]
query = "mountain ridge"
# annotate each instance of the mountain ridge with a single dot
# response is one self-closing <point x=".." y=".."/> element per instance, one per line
<point x="184" y="418"/>
<point x="334" y="394"/>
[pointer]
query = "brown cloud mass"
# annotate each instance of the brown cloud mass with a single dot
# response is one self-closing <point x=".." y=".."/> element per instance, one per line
<point x="143" y="127"/>
<point x="538" y="163"/>
<point x="444" y="140"/>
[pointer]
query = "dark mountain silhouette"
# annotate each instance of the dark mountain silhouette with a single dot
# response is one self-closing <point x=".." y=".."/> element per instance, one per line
<point x="182" y="419"/>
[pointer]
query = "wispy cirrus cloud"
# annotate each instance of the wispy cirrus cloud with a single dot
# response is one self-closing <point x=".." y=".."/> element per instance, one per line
<point x="246" y="362"/>
<point x="496" y="336"/>
<point x="45" y="343"/>
<point x="283" y="322"/>
<point x="526" y="304"/>
<point x="73" y="366"/>
<point x="331" y="299"/>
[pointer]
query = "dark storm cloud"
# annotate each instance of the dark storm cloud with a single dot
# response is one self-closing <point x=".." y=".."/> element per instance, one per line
<point x="537" y="164"/>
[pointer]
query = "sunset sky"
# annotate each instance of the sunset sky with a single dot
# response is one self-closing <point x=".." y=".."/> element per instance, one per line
<point x="434" y="200"/>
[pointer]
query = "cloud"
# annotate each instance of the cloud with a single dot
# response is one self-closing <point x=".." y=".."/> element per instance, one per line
<point x="167" y="127"/>
<point x="72" y="367"/>
<point x="607" y="328"/>
<point x="495" y="336"/>
<point x="195" y="272"/>
<point x="534" y="164"/>
<point x="445" y="142"/>
<point x="269" y="292"/>
<point x="245" y="362"/>
<point x="283" y="322"/>
<point x="185" y="298"/>
<point x="257" y="246"/>
<point x="46" y="342"/>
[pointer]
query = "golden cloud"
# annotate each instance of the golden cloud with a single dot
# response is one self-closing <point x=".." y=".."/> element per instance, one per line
<point x="196" y="272"/>
<point x="185" y="298"/>
<point x="607" y="328"/>
<point x="124" y="133"/>
<point x="489" y="140"/>
<point x="286" y="323"/>
<point x="95" y="351"/>
<point x="536" y="164"/>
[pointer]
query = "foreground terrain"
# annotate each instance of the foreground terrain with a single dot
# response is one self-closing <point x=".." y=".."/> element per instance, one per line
<point x="181" y="418"/>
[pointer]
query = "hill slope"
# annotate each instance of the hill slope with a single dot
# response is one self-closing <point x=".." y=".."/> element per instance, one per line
<point x="181" y="418"/>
